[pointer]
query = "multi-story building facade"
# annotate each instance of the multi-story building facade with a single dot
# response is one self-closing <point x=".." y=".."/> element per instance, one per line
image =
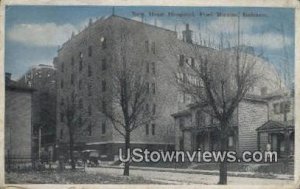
<point x="43" y="80"/>
<point x="85" y="65"/>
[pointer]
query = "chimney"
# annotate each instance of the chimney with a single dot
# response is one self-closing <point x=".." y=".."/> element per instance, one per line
<point x="187" y="34"/>
<point x="7" y="77"/>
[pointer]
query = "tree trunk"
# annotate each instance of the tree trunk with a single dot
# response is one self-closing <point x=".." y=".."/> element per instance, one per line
<point x="224" y="146"/>
<point x="71" y="149"/>
<point x="127" y="147"/>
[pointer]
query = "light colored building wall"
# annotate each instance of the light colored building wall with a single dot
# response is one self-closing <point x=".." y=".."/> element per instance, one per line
<point x="18" y="123"/>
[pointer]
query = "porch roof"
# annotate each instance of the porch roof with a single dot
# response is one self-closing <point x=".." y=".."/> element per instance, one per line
<point x="276" y="126"/>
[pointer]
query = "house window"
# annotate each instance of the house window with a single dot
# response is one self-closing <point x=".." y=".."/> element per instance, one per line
<point x="147" y="46"/>
<point x="103" y="43"/>
<point x="89" y="90"/>
<point x="181" y="60"/>
<point x="103" y="85"/>
<point x="153" y="47"/>
<point x="153" y="109"/>
<point x="80" y="104"/>
<point x="263" y="91"/>
<point x="61" y="134"/>
<point x="62" y="83"/>
<point x="90" y="51"/>
<point x="90" y="110"/>
<point x="230" y="141"/>
<point x="153" y="67"/>
<point x="192" y="62"/>
<point x="181" y="123"/>
<point x="147" y="129"/>
<point x="103" y="64"/>
<point x="147" y="107"/>
<point x="62" y="67"/>
<point x="62" y="116"/>
<point x="73" y="97"/>
<point x="153" y="88"/>
<point x="276" y="108"/>
<point x="80" y="60"/>
<point x="103" y="128"/>
<point x="285" y="107"/>
<point x="200" y="118"/>
<point x="89" y="71"/>
<point x="153" y="129"/>
<point x="90" y="129"/>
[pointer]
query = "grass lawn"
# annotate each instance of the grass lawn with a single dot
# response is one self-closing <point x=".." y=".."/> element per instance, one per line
<point x="71" y="177"/>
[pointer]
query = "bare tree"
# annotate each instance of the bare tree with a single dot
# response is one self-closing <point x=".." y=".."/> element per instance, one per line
<point x="129" y="93"/>
<point x="217" y="81"/>
<point x="75" y="120"/>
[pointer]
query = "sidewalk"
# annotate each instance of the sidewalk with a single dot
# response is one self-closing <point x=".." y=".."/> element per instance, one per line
<point x="209" y="172"/>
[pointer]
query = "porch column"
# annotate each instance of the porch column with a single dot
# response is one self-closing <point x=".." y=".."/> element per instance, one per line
<point x="258" y="141"/>
<point x="287" y="142"/>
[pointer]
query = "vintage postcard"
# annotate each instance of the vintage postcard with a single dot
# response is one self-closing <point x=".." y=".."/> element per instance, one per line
<point x="148" y="95"/>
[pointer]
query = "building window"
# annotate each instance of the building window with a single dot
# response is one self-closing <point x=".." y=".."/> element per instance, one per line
<point x="153" y="109"/>
<point x="62" y="84"/>
<point x="181" y="60"/>
<point x="104" y="64"/>
<point x="62" y="102"/>
<point x="103" y="85"/>
<point x="62" y="116"/>
<point x="90" y="51"/>
<point x="80" y="60"/>
<point x="89" y="90"/>
<point x="153" y="67"/>
<point x="79" y="121"/>
<point x="89" y="71"/>
<point x="148" y="67"/>
<point x="147" y="107"/>
<point x="147" y="129"/>
<point x="147" y="46"/>
<point x="103" y="43"/>
<point x="153" y="129"/>
<point x="90" y="129"/>
<point x="80" y="84"/>
<point x="230" y="141"/>
<point x="147" y="87"/>
<point x="61" y="134"/>
<point x="153" y="47"/>
<point x="153" y="88"/>
<point x="80" y="104"/>
<point x="90" y="110"/>
<point x="72" y="61"/>
<point x="103" y="128"/>
<point x="72" y="79"/>
<point x="62" y="67"/>
<point x="73" y="97"/>
<point x="103" y="106"/>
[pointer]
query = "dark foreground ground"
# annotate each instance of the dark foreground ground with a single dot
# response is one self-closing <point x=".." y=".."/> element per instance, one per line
<point x="71" y="177"/>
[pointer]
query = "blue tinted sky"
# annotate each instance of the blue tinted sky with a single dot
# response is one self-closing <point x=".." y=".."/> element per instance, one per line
<point x="33" y="33"/>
